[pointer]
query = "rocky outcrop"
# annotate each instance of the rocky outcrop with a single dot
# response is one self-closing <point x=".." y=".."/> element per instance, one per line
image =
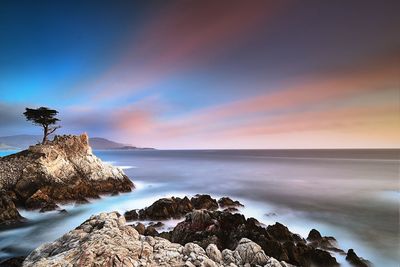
<point x="105" y="240"/>
<point x="175" y="207"/>
<point x="226" y="202"/>
<point x="8" y="212"/>
<point x="356" y="261"/>
<point x="226" y="230"/>
<point x="64" y="169"/>
<point x="324" y="242"/>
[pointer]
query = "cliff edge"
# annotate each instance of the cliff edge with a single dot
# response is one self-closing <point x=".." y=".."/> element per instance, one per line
<point x="61" y="170"/>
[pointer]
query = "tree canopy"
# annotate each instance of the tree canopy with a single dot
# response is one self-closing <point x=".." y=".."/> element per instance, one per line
<point x="44" y="117"/>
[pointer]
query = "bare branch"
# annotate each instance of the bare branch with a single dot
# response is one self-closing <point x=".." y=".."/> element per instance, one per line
<point x="52" y="130"/>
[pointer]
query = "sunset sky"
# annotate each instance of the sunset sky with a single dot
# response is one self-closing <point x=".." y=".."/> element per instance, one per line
<point x="206" y="74"/>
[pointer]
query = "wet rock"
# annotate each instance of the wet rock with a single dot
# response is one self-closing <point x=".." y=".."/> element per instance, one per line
<point x="151" y="231"/>
<point x="225" y="230"/>
<point x="231" y="210"/>
<point x="8" y="211"/>
<point x="204" y="202"/>
<point x="131" y="215"/>
<point x="226" y="202"/>
<point x="49" y="207"/>
<point x="13" y="262"/>
<point x="356" y="261"/>
<point x="175" y="207"/>
<point x="141" y="228"/>
<point x="314" y="235"/>
<point x="166" y="208"/>
<point x="324" y="242"/>
<point x="157" y="224"/>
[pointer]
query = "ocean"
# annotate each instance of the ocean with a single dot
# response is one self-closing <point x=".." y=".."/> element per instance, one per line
<point x="353" y="195"/>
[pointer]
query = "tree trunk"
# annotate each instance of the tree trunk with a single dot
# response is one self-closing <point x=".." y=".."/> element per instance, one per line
<point x="45" y="133"/>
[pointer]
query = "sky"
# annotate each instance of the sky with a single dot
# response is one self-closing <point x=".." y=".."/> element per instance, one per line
<point x="206" y="74"/>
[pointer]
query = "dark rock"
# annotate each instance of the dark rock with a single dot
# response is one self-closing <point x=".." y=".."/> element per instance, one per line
<point x="63" y="211"/>
<point x="131" y="215"/>
<point x="204" y="202"/>
<point x="38" y="200"/>
<point x="49" y="207"/>
<point x="320" y="258"/>
<point x="175" y="207"/>
<point x="140" y="228"/>
<point x="166" y="208"/>
<point x="323" y="242"/>
<point x="231" y="210"/>
<point x="225" y="202"/>
<point x="13" y="262"/>
<point x="8" y="211"/>
<point x="356" y="261"/>
<point x="157" y="224"/>
<point x="314" y="235"/>
<point x="82" y="201"/>
<point x="151" y="231"/>
<point x="226" y="229"/>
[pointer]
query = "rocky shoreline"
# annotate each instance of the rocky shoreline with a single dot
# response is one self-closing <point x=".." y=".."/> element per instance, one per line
<point x="211" y="233"/>
<point x="60" y="171"/>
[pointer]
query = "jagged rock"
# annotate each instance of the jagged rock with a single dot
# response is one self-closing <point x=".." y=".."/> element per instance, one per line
<point x="64" y="169"/>
<point x="251" y="252"/>
<point x="226" y="202"/>
<point x="324" y="242"/>
<point x="356" y="261"/>
<point x="166" y="208"/>
<point x="204" y="202"/>
<point x="106" y="240"/>
<point x="225" y="230"/>
<point x="314" y="235"/>
<point x="8" y="212"/>
<point x="175" y="207"/>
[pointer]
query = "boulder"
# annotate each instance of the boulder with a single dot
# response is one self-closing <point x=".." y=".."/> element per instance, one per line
<point x="323" y="242"/>
<point x="226" y="202"/>
<point x="356" y="261"/>
<point x="8" y="211"/>
<point x="251" y="253"/>
<point x="166" y="208"/>
<point x="204" y="202"/>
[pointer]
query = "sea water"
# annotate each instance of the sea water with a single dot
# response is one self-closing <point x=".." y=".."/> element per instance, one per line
<point x="352" y="195"/>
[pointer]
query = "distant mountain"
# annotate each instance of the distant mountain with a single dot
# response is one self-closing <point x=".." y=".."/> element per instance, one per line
<point x="25" y="140"/>
<point x="7" y="147"/>
<point x="102" y="143"/>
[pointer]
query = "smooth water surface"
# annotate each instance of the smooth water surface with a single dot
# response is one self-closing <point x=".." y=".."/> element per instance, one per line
<point x="352" y="195"/>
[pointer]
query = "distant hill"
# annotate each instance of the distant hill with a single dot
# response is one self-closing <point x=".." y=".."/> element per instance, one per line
<point x="102" y="143"/>
<point x="7" y="147"/>
<point x="25" y="140"/>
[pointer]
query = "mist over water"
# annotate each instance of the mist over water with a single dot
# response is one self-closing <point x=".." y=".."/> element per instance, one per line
<point x="352" y="195"/>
